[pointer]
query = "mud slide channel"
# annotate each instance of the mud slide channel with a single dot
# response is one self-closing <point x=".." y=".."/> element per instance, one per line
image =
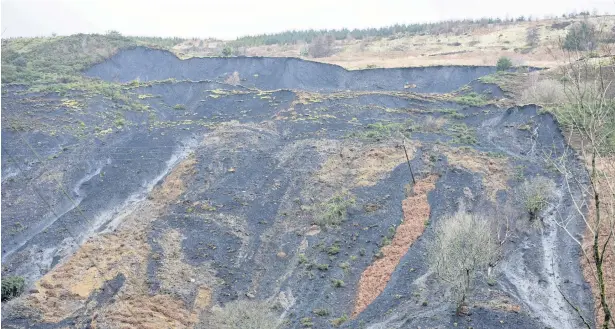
<point x="416" y="211"/>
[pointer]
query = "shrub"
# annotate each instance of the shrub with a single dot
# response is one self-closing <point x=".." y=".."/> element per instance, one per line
<point x="532" y="37"/>
<point x="179" y="107"/>
<point x="580" y="37"/>
<point x="322" y="267"/>
<point x="321" y="46"/>
<point x="241" y="314"/>
<point x="503" y="64"/>
<point x="306" y="322"/>
<point x="536" y="194"/>
<point x="339" y="321"/>
<point x="321" y="311"/>
<point x="464" y="244"/>
<point x="227" y="51"/>
<point x="334" y="211"/>
<point x="12" y="287"/>
<point x="337" y="283"/>
<point x="334" y="249"/>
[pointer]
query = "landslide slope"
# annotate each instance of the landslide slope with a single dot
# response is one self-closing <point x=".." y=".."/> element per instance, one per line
<point x="180" y="186"/>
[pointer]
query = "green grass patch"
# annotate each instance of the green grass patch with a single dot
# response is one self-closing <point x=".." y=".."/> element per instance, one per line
<point x="383" y="130"/>
<point x="462" y="134"/>
<point x="472" y="99"/>
<point x="334" y="211"/>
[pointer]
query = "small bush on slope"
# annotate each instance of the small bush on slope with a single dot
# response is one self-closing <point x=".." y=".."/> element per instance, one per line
<point x="503" y="64"/>
<point x="334" y="211"/>
<point x="12" y="287"/>
<point x="535" y="194"/>
<point x="464" y="245"/>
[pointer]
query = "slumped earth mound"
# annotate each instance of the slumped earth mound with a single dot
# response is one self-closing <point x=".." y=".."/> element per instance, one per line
<point x="289" y="186"/>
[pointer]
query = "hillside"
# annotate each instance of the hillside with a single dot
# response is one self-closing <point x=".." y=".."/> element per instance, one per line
<point x="530" y="43"/>
<point x="144" y="186"/>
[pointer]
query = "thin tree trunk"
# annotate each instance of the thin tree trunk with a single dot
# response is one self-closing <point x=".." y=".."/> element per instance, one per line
<point x="409" y="166"/>
<point x="598" y="257"/>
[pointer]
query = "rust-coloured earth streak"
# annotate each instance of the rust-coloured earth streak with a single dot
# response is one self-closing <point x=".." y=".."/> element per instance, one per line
<point x="375" y="278"/>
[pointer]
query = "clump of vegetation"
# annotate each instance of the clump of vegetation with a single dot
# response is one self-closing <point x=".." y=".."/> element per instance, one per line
<point x="323" y="267"/>
<point x="335" y="210"/>
<point x="532" y="37"/>
<point x="120" y="122"/>
<point x="241" y="314"/>
<point x="337" y="283"/>
<point x="384" y="130"/>
<point x="227" y="51"/>
<point x="504" y="64"/>
<point x="462" y="134"/>
<point x="345" y="266"/>
<point x="334" y="249"/>
<point x="12" y="287"/>
<point x="179" y="107"/>
<point x="321" y="311"/>
<point x="339" y="321"/>
<point x="464" y="244"/>
<point x="471" y="99"/>
<point x="321" y="46"/>
<point x="536" y="194"/>
<point x="581" y="37"/>
<point x="306" y="322"/>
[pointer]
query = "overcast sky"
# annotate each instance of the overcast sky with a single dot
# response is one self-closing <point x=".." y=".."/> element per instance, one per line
<point x="227" y="19"/>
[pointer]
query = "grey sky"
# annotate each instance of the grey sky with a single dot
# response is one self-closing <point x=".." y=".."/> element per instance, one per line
<point x="228" y="19"/>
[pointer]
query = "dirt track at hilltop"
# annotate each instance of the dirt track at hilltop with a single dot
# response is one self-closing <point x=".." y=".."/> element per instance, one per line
<point x="263" y="164"/>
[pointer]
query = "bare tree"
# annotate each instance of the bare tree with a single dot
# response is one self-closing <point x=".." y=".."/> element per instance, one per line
<point x="464" y="245"/>
<point x="588" y="116"/>
<point x="321" y="46"/>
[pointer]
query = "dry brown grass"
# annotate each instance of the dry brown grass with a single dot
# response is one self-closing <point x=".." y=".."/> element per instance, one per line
<point x="543" y="90"/>
<point x="495" y="171"/>
<point x="375" y="278"/>
<point x="364" y="166"/>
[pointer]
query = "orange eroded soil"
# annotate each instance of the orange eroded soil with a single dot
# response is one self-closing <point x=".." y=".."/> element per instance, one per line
<point x="66" y="288"/>
<point x="375" y="278"/>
